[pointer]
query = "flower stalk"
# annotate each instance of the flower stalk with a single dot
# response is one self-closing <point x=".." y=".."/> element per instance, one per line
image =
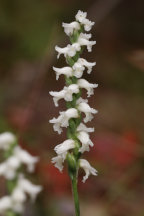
<point x="78" y="140"/>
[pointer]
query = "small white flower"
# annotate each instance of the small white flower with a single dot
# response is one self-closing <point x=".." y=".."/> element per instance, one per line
<point x="85" y="140"/>
<point x="73" y="49"/>
<point x="62" y="120"/>
<point x="82" y="83"/>
<point x="78" y="69"/>
<point x="87" y="168"/>
<point x="25" y="158"/>
<point x="87" y="64"/>
<point x="83" y="127"/>
<point x="29" y="188"/>
<point x="88" y="24"/>
<point x="69" y="50"/>
<point x="84" y="41"/>
<point x="70" y="90"/>
<point x="65" y="146"/>
<point x="13" y="162"/>
<point x="18" y="195"/>
<point x="57" y="96"/>
<point x="5" y="204"/>
<point x="6" y="139"/>
<point x="67" y="71"/>
<point x="80" y="65"/>
<point x="66" y="93"/>
<point x="9" y="167"/>
<point x="57" y="123"/>
<point x="84" y="107"/>
<point x="58" y="161"/>
<point x="81" y="17"/>
<point x="70" y="27"/>
<point x="68" y="114"/>
<point x="60" y="51"/>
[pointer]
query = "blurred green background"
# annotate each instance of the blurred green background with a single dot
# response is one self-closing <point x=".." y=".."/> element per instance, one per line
<point x="29" y="31"/>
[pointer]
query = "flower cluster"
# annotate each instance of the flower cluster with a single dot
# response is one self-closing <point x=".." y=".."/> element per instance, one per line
<point x="10" y="169"/>
<point x="78" y="134"/>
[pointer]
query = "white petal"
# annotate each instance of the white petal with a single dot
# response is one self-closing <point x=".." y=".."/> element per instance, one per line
<point x="81" y="17"/>
<point x="88" y="86"/>
<point x="18" y="195"/>
<point x="68" y="114"/>
<point x="25" y="158"/>
<point x="13" y="162"/>
<point x="61" y="51"/>
<point x="67" y="71"/>
<point x="6" y="139"/>
<point x="29" y="188"/>
<point x="78" y="70"/>
<point x="85" y="140"/>
<point x="83" y="127"/>
<point x="65" y="146"/>
<point x="57" y="96"/>
<point x="84" y="107"/>
<point x="58" y="161"/>
<point x="72" y="49"/>
<point x="5" y="204"/>
<point x="66" y="93"/>
<point x="85" y="42"/>
<point x="70" y="27"/>
<point x="70" y="90"/>
<point x="7" y="171"/>
<point x="87" y="168"/>
<point x="63" y="119"/>
<point x="57" y="123"/>
<point x="87" y="64"/>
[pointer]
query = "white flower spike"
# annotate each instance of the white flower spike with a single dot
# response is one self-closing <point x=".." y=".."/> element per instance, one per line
<point x="10" y="169"/>
<point x="78" y="140"/>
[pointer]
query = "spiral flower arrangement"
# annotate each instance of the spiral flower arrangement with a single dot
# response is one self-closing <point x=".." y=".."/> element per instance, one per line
<point x="18" y="187"/>
<point x="78" y="140"/>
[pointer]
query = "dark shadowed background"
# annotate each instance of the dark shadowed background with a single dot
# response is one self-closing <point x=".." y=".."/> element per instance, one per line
<point x="29" y="31"/>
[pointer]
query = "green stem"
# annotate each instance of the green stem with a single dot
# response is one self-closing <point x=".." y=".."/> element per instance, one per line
<point x="75" y="195"/>
<point x="11" y="213"/>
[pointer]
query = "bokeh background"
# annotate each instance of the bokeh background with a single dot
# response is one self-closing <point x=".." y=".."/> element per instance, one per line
<point x="29" y="31"/>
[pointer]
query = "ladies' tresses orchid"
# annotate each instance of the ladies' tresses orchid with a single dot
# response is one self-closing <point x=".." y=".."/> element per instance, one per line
<point x="19" y="187"/>
<point x="78" y="140"/>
